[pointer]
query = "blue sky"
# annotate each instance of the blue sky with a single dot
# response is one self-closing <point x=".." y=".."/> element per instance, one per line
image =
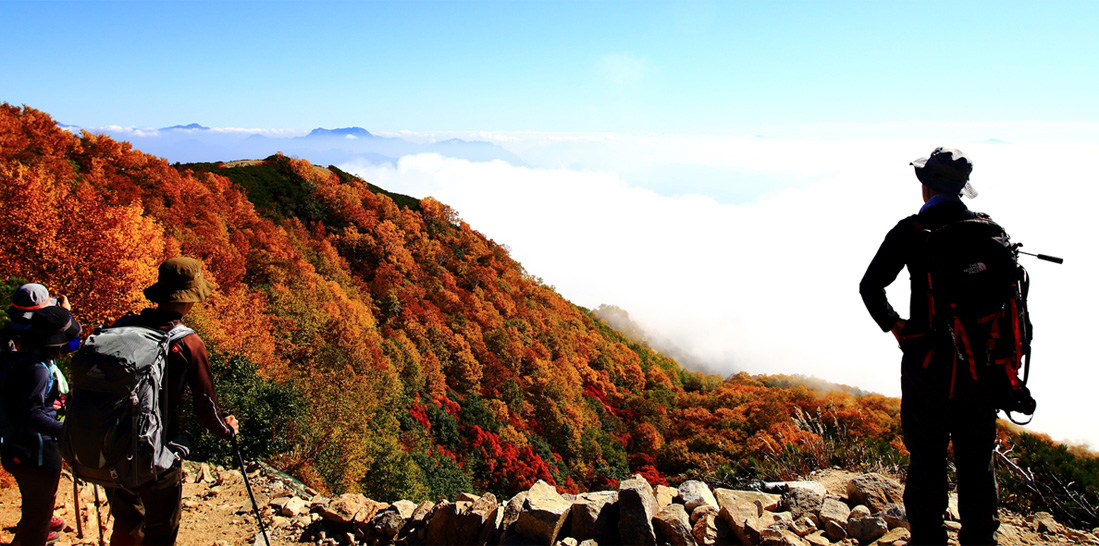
<point x="550" y="66"/>
<point x="739" y="161"/>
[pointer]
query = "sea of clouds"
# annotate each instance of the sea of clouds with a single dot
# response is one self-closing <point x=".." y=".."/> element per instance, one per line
<point x="748" y="251"/>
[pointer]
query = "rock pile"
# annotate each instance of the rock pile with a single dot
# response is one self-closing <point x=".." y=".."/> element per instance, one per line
<point x="859" y="511"/>
<point x="796" y="513"/>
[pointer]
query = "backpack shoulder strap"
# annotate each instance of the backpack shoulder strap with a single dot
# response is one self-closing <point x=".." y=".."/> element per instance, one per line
<point x="178" y="332"/>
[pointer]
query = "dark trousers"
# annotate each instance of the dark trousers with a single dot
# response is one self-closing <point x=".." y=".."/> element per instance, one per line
<point x="147" y="515"/>
<point x="38" y="489"/>
<point x="931" y="419"/>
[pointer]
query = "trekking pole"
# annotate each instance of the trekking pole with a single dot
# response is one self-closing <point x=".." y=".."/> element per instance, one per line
<point x="98" y="518"/>
<point x="248" y="487"/>
<point x="76" y="508"/>
<point x="1045" y="257"/>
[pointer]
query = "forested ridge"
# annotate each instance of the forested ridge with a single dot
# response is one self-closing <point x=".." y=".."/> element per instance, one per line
<point x="375" y="342"/>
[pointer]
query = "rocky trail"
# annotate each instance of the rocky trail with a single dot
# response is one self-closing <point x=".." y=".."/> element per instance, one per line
<point x="829" y="507"/>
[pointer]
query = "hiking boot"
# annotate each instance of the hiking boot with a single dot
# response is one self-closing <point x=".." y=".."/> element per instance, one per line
<point x="57" y="524"/>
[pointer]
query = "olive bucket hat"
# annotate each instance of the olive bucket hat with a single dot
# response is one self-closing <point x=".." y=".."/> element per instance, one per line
<point x="179" y="280"/>
<point x="946" y="171"/>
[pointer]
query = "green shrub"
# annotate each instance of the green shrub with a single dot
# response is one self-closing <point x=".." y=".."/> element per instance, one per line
<point x="442" y="476"/>
<point x="268" y="413"/>
<point x="444" y="427"/>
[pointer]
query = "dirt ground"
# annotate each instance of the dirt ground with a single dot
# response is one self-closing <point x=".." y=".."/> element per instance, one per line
<point x="212" y="515"/>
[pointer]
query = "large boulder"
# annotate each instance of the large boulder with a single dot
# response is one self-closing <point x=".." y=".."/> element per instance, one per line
<point x="803" y="500"/>
<point x="665" y="496"/>
<point x="833" y="517"/>
<point x="866" y="530"/>
<point x="744" y="520"/>
<point x="674" y="526"/>
<point x="705" y="520"/>
<point x="729" y="497"/>
<point x="513" y="508"/>
<point x="509" y="516"/>
<point x="403" y="507"/>
<point x="442" y="527"/>
<point x="544" y="512"/>
<point x="366" y="513"/>
<point x="636" y="508"/>
<point x="421" y="511"/>
<point x="476" y="520"/>
<point x="416" y="526"/>
<point x="875" y="491"/>
<point x="595" y="516"/>
<point x="343" y="509"/>
<point x="290" y="506"/>
<point x="389" y="521"/>
<point x="695" y="493"/>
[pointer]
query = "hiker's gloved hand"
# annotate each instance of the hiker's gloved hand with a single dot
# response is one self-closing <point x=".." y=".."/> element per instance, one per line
<point x="898" y="328"/>
<point x="231" y="422"/>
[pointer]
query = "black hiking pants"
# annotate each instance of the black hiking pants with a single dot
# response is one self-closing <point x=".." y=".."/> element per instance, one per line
<point x="931" y="420"/>
<point x="37" y="490"/>
<point x="147" y="515"/>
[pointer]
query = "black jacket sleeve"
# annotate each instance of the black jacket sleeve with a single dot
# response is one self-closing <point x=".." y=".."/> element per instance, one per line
<point x="883" y="270"/>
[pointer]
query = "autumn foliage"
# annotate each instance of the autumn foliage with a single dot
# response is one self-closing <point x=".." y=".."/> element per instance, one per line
<point x="419" y="358"/>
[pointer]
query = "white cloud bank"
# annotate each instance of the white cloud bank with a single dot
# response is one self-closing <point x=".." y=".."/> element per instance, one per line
<point x="771" y="285"/>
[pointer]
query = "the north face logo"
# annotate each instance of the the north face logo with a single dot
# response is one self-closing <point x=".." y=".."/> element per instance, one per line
<point x="975" y="268"/>
<point x="95" y="373"/>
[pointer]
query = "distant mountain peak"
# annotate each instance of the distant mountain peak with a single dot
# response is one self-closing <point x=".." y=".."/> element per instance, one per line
<point x="345" y="132"/>
<point x="188" y="127"/>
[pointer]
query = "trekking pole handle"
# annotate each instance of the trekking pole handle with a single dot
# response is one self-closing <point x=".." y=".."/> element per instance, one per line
<point x="1045" y="257"/>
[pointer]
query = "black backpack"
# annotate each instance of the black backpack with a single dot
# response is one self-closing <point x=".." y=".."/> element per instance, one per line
<point x="978" y="300"/>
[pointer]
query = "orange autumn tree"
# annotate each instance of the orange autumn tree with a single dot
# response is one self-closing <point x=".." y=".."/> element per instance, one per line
<point x="57" y="229"/>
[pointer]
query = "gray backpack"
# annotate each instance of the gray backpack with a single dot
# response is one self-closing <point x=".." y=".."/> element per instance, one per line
<point x="114" y="431"/>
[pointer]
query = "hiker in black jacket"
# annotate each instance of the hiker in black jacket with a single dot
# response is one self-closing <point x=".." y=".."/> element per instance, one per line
<point x="934" y="412"/>
<point x="32" y="455"/>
